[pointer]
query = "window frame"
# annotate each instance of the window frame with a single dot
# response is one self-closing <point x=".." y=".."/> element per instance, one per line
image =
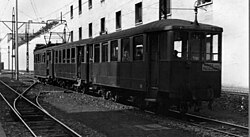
<point x="71" y="12"/>
<point x="136" y="56"/>
<point x="97" y="53"/>
<point x="80" y="6"/>
<point x="90" y="4"/>
<point x="114" y="58"/>
<point x="103" y="26"/>
<point x="126" y="57"/>
<point x="80" y="33"/>
<point x="90" y="30"/>
<point x="138" y="13"/>
<point x="118" y="20"/>
<point x="73" y="55"/>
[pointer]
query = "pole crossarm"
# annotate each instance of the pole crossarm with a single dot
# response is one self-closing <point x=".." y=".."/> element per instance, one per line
<point x="7" y="26"/>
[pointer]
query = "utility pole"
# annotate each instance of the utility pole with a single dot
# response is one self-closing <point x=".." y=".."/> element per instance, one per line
<point x="13" y="40"/>
<point x="16" y="47"/>
<point x="27" y="52"/>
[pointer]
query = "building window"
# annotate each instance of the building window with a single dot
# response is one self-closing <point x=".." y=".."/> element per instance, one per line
<point x="103" y="26"/>
<point x="138" y="48"/>
<point x="80" y="33"/>
<point x="105" y="52"/>
<point x="97" y="53"/>
<point x="204" y="2"/>
<point x="90" y="30"/>
<point x="90" y="4"/>
<point x="118" y="20"/>
<point x="80" y="6"/>
<point x="165" y="8"/>
<point x="71" y="36"/>
<point x="71" y="11"/>
<point x="138" y="13"/>
<point x="60" y="56"/>
<point x="114" y="50"/>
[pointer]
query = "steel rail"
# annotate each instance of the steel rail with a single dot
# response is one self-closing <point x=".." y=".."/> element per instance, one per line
<point x="216" y="121"/>
<point x="25" y="124"/>
<point x="43" y="110"/>
<point x="65" y="126"/>
<point x="14" y="103"/>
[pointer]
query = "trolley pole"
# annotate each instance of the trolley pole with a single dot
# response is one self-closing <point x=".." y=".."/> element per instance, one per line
<point x="16" y="47"/>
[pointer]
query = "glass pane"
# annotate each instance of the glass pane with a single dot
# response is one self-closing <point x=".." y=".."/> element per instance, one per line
<point x="177" y="49"/>
<point x="125" y="50"/>
<point x="215" y="48"/>
<point x="97" y="53"/>
<point x="114" y="50"/>
<point x="195" y="43"/>
<point x="73" y="55"/>
<point x="138" y="48"/>
<point x="104" y="52"/>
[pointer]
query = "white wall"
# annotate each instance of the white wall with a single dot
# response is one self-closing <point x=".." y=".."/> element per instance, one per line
<point x="107" y="9"/>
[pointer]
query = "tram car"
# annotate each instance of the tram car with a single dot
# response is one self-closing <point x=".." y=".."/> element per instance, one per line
<point x="164" y="62"/>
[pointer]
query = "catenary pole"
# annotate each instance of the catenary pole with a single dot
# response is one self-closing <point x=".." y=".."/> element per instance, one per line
<point x="16" y="44"/>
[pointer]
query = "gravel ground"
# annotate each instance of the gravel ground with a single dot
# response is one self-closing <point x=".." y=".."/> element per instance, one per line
<point x="73" y="102"/>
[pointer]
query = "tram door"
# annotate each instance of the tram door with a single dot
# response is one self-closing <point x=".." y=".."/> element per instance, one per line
<point x="49" y="63"/>
<point x="80" y="56"/>
<point x="153" y="61"/>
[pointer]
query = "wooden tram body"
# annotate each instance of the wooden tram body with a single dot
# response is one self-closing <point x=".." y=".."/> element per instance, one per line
<point x="166" y="62"/>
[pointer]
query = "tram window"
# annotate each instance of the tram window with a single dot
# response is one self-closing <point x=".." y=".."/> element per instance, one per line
<point x="43" y="58"/>
<point x="105" y="52"/>
<point x="211" y="50"/>
<point x="90" y="48"/>
<point x="178" y="48"/>
<point x="195" y="43"/>
<point x="125" y="50"/>
<point x="81" y="53"/>
<point x="68" y="55"/>
<point x="215" y="48"/>
<point x="114" y="50"/>
<point x="73" y="55"/>
<point x="180" y="45"/>
<point x="56" y="57"/>
<point x="138" y="48"/>
<point x="97" y="53"/>
<point x="64" y="56"/>
<point x="60" y="56"/>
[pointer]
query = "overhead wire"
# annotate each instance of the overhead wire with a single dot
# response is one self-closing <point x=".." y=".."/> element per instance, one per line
<point x="34" y="9"/>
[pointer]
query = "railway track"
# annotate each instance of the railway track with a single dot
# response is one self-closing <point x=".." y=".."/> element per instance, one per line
<point x="228" y="129"/>
<point x="37" y="120"/>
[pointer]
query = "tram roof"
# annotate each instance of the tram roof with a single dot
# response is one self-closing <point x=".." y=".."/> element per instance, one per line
<point x="77" y="43"/>
<point x="162" y="25"/>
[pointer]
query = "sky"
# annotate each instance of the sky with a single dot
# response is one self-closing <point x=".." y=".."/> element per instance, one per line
<point x="35" y="10"/>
